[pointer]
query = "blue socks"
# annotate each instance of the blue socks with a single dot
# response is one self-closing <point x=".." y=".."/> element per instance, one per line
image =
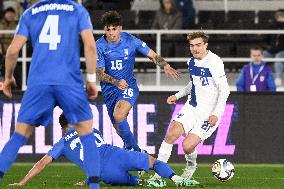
<point x="127" y="136"/>
<point x="10" y="152"/>
<point x="1" y="175"/>
<point x="91" y="159"/>
<point x="163" y="169"/>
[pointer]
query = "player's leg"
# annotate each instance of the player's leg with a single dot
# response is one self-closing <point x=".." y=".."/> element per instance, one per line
<point x="91" y="155"/>
<point x="181" y="124"/>
<point x="165" y="171"/>
<point x="116" y="176"/>
<point x="201" y="131"/>
<point x="174" y="132"/>
<point x="120" y="114"/>
<point x="137" y="161"/>
<point x="189" y="145"/>
<point x="116" y="164"/>
<point x="10" y="151"/>
<point x="76" y="108"/>
<point x="36" y="108"/>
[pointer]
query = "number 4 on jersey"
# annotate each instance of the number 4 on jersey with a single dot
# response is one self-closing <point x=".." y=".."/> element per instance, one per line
<point x="49" y="32"/>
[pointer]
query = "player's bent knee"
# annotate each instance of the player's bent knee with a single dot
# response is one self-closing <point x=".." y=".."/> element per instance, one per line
<point x="188" y="148"/>
<point x="170" y="138"/>
<point x="174" y="132"/>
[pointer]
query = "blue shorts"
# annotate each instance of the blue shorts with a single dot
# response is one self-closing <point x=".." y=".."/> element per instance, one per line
<point x="130" y="95"/>
<point x="39" y="101"/>
<point x="117" y="162"/>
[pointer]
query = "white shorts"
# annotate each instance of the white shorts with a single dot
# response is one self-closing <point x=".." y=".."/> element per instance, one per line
<point x="195" y="121"/>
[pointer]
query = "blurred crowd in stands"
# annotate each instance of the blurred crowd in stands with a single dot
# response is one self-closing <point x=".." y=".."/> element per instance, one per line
<point x="174" y="14"/>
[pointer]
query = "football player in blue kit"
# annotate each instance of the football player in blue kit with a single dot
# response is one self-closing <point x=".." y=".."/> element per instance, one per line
<point x="114" y="169"/>
<point x="54" y="28"/>
<point x="116" y="59"/>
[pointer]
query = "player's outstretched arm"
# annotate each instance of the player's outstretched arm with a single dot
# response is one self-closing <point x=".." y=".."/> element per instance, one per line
<point x="10" y="63"/>
<point x="158" y="60"/>
<point x="103" y="77"/>
<point x="90" y="51"/>
<point x="37" y="168"/>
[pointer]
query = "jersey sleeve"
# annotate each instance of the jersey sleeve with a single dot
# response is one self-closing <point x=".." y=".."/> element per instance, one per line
<point x="57" y="150"/>
<point x="101" y="59"/>
<point x="84" y="20"/>
<point x="22" y="27"/>
<point x="218" y="72"/>
<point x="141" y="46"/>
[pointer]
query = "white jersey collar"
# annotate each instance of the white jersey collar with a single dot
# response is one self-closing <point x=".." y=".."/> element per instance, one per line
<point x="203" y="59"/>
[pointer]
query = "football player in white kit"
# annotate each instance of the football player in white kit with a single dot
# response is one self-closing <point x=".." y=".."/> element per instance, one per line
<point x="208" y="91"/>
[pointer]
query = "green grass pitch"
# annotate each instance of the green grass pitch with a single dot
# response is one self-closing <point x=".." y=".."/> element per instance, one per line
<point x="64" y="175"/>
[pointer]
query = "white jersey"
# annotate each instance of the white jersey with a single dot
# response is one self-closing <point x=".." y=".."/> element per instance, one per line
<point x="209" y="90"/>
<point x="205" y="76"/>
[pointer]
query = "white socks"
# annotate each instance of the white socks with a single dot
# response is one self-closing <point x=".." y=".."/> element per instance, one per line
<point x="165" y="152"/>
<point x="191" y="158"/>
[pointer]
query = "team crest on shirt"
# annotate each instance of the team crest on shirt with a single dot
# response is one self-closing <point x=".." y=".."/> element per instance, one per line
<point x="126" y="53"/>
<point x="261" y="78"/>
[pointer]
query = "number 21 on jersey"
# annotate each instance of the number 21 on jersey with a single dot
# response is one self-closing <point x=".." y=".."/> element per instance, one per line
<point x="49" y="32"/>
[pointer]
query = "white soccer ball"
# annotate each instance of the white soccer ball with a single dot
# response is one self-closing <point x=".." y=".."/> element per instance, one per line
<point x="223" y="170"/>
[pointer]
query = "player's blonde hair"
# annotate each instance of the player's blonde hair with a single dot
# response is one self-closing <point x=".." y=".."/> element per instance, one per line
<point x="199" y="34"/>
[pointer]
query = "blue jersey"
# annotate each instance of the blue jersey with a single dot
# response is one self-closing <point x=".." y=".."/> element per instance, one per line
<point x="115" y="162"/>
<point x="70" y="146"/>
<point x="53" y="27"/>
<point x="118" y="59"/>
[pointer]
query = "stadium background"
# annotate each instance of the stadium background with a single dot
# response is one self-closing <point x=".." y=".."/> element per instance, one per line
<point x="251" y="130"/>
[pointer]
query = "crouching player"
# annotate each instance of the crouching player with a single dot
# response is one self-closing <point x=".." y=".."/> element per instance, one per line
<point x="116" y="162"/>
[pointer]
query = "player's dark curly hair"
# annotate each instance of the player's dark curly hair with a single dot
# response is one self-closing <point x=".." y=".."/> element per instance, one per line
<point x="63" y="121"/>
<point x="111" y="18"/>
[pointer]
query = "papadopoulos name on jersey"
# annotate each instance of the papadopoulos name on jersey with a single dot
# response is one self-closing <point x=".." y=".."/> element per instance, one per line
<point x="52" y="6"/>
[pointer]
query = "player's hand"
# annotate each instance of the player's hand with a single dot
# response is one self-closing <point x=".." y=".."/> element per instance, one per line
<point x="172" y="99"/>
<point x="16" y="184"/>
<point x="170" y="72"/>
<point x="212" y="120"/>
<point x="7" y="86"/>
<point x="82" y="183"/>
<point x="122" y="84"/>
<point x="92" y="90"/>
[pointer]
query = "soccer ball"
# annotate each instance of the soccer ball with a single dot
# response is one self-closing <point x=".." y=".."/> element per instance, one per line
<point x="223" y="170"/>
